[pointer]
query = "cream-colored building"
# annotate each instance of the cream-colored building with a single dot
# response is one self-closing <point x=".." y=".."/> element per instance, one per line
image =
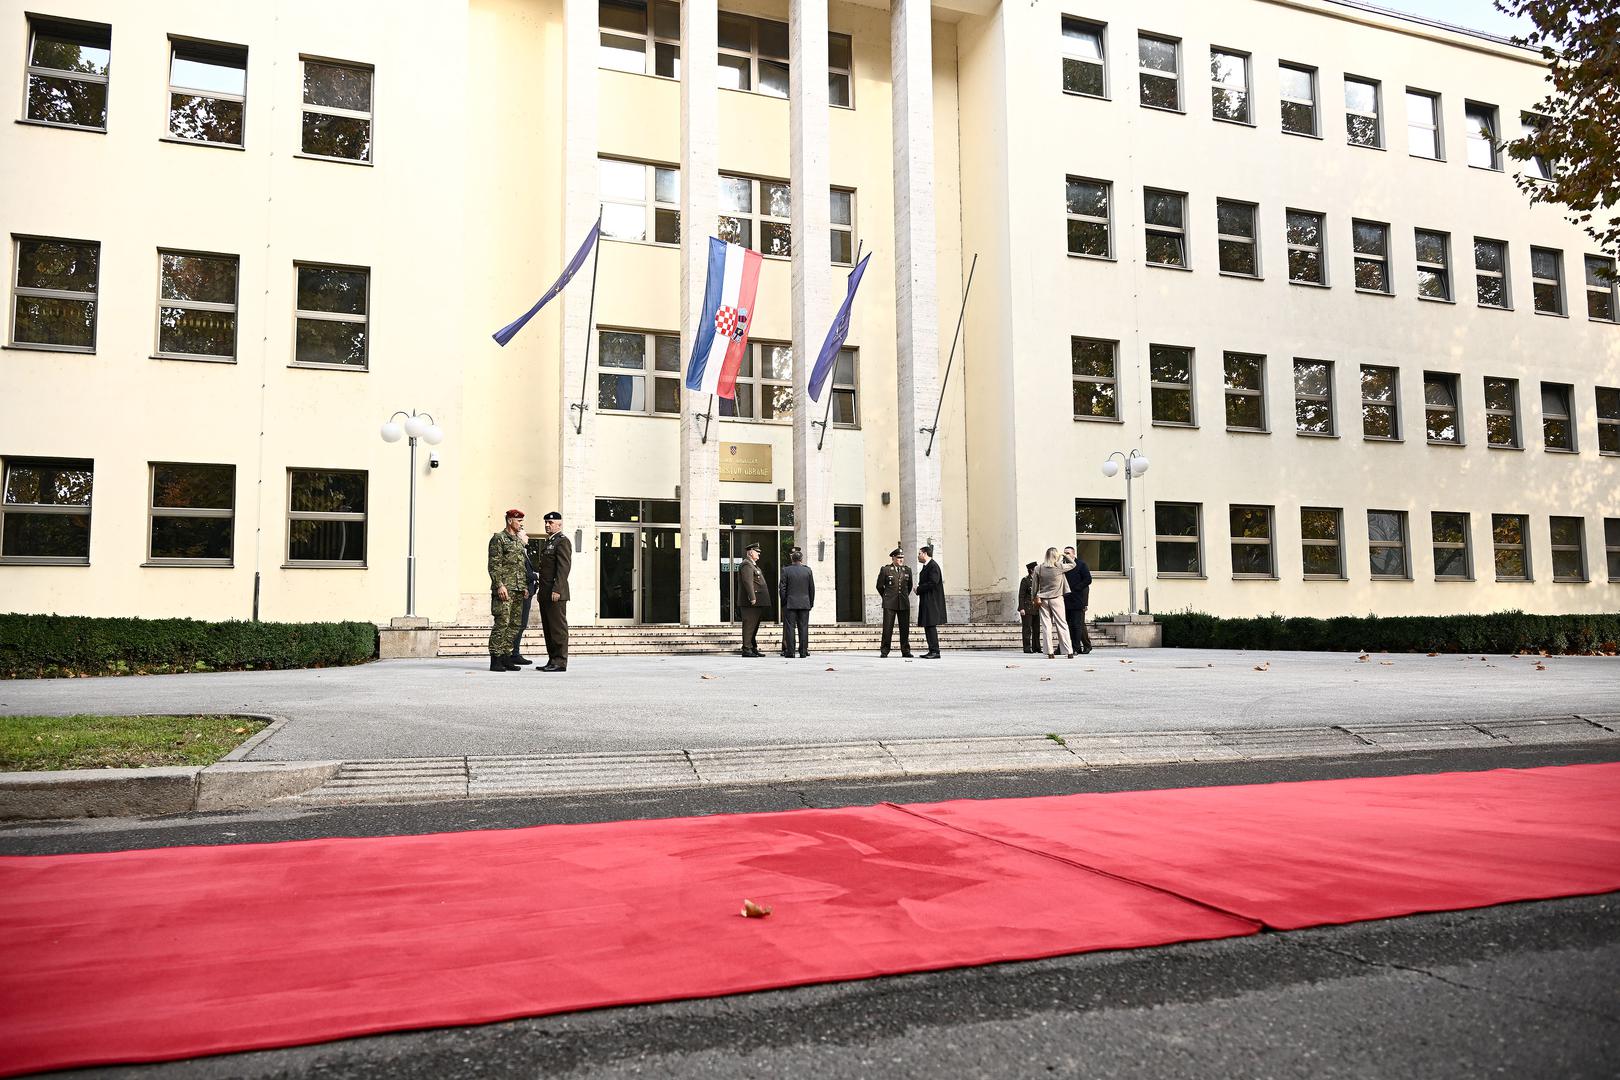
<point x="1269" y="245"/>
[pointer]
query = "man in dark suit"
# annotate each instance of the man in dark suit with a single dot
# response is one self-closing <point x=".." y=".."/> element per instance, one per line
<point x="1028" y="612"/>
<point x="930" y="600"/>
<point x="754" y="600"/>
<point x="1079" y="598"/>
<point x="798" y="587"/>
<point x="556" y="558"/>
<point x="894" y="589"/>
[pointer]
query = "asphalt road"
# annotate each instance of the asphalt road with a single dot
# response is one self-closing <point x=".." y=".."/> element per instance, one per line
<point x="455" y="707"/>
<point x="1517" y="990"/>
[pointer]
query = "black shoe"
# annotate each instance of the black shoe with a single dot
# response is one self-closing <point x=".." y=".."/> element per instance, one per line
<point x="908" y="656"/>
<point x="787" y="656"/>
<point x="930" y="656"/>
<point x="883" y="656"/>
<point x="549" y="667"/>
<point x="520" y="661"/>
<point x="804" y="656"/>
<point x="501" y="663"/>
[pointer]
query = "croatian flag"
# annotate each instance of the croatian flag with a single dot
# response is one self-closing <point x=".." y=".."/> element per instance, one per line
<point x="836" y="335"/>
<point x="509" y="331"/>
<point x="728" y="308"/>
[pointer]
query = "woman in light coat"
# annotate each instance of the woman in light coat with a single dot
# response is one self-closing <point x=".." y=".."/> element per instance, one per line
<point x="1050" y="586"/>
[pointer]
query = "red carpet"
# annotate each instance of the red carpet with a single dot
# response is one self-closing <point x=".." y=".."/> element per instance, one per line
<point x="152" y="955"/>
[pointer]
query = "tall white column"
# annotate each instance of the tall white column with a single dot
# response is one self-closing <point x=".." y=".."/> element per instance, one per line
<point x="812" y="278"/>
<point x="916" y="287"/>
<point x="700" y="209"/>
<point x="575" y="482"/>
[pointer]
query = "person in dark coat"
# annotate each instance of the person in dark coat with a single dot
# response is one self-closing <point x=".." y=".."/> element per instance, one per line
<point x="1028" y="612"/>
<point x="930" y="600"/>
<point x="556" y="558"/>
<point x="1079" y="598"/>
<point x="894" y="589"/>
<point x="754" y="601"/>
<point x="798" y="588"/>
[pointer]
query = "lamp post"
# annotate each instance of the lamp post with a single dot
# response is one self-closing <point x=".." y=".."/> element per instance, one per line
<point x="416" y="426"/>
<point x="1136" y="463"/>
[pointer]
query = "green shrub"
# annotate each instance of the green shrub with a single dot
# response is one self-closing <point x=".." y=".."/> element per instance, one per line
<point x="49" y="646"/>
<point x="1502" y="632"/>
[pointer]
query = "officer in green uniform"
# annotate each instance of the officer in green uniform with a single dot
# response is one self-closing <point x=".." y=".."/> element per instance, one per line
<point x="556" y="557"/>
<point x="754" y="603"/>
<point x="894" y="588"/>
<point x="508" y="585"/>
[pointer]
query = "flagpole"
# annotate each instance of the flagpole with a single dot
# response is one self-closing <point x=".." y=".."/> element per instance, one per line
<point x="590" y="322"/>
<point x="960" y="315"/>
<point x="707" y="416"/>
<point x="828" y="414"/>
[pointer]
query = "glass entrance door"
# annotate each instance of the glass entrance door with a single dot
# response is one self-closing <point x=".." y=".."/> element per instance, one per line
<point x="616" y="587"/>
<point x="659" y="587"/>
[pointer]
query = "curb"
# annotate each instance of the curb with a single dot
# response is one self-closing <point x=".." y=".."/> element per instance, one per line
<point x="225" y="785"/>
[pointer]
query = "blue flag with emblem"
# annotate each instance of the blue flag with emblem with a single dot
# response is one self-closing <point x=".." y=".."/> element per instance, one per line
<point x="509" y="331"/>
<point x="836" y="335"/>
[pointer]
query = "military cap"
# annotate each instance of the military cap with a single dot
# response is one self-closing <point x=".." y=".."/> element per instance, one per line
<point x="896" y="553"/>
<point x="514" y="513"/>
<point x="752" y="547"/>
<point x="1031" y="567"/>
<point x="552" y="516"/>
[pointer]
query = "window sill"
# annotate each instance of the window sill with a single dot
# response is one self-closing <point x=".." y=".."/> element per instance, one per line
<point x="323" y="566"/>
<point x="640" y="415"/>
<point x="1092" y="258"/>
<point x="1167" y="266"/>
<point x="1553" y="314"/>
<point x="1381" y="438"/>
<point x="329" y="367"/>
<point x="1325" y="577"/>
<point x="1317" y="434"/>
<point x="1162" y="109"/>
<point x="1446" y="442"/>
<point x="199" y="142"/>
<point x="1365" y="146"/>
<point x="1111" y="575"/>
<point x="1175" y="424"/>
<point x="28" y="122"/>
<point x="1571" y="581"/>
<point x="40" y="560"/>
<point x="1100" y="419"/>
<point x="1302" y="134"/>
<point x="1462" y="580"/>
<point x="335" y="160"/>
<point x="1248" y="431"/>
<point x="1388" y="577"/>
<point x="1486" y="168"/>
<point x="27" y="347"/>
<point x="188" y="564"/>
<point x="1515" y="581"/>
<point x="1609" y="453"/>
<point x="644" y="243"/>
<point x="1560" y="450"/>
<point x="1608" y="322"/>
<point x="194" y="359"/>
<point x="1255" y="577"/>
<point x="1310" y="284"/>
<point x="1376" y="292"/>
<point x="1083" y="94"/>
<point x="1241" y="277"/>
<point x="1436" y="299"/>
<point x="1503" y="446"/>
<point x="1426" y="157"/>
<point x="1181" y="577"/>
<point x="1235" y="123"/>
<point x="1492" y="307"/>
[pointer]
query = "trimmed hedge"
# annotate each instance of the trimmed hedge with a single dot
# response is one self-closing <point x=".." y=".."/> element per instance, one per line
<point x="1503" y="632"/>
<point x="52" y="646"/>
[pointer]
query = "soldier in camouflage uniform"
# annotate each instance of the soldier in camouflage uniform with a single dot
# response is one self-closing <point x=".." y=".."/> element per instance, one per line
<point x="508" y="586"/>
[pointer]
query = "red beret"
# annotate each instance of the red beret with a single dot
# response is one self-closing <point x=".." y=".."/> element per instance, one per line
<point x="515" y="513"/>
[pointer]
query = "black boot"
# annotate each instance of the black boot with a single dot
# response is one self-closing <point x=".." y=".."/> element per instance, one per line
<point x="500" y="663"/>
<point x="520" y="661"/>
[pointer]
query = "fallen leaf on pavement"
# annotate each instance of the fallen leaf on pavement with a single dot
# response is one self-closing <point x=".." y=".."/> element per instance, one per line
<point x="1261" y="667"/>
<point x="1362" y="659"/>
<point x="1015" y="665"/>
<point x="1046" y="678"/>
<point x="1434" y="654"/>
<point x="751" y="910"/>
<point x="832" y="669"/>
<point x="1540" y="666"/>
<point x="708" y="676"/>
<point x="1387" y="663"/>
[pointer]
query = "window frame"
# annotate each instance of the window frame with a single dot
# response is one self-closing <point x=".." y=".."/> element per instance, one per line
<point x="1583" y="575"/>
<point x="1096" y="380"/>
<point x="18" y="291"/>
<point x="1505" y="274"/>
<point x="1117" y="507"/>
<point x="835" y="227"/>
<point x="1544" y="171"/>
<point x="1567" y="416"/>
<point x="1611" y="547"/>
<point x="1442" y="269"/>
<point x="225" y="54"/>
<point x="1106" y="222"/>
<point x="1336" y="543"/>
<point x="1229" y="391"/>
<point x="1493" y="128"/>
<point x="1144" y="72"/>
<point x="1252" y="241"/>
<point x="1314" y="103"/>
<point x="1497" y="547"/>
<point x="1393" y="404"/>
<point x="1512" y="386"/>
<point x="1453" y="382"/>
<point x="369" y="116"/>
<point x="1465" y="545"/>
<point x="649" y="371"/>
<point x="1069" y="54"/>
<point x="1247" y="90"/>
<point x="1196" y="540"/>
<point x="233" y="309"/>
<point x="1377" y="114"/>
<point x="1537" y="281"/>
<point x="85" y="510"/>
<point x="1404" y="544"/>
<point x="1320" y="248"/>
<point x="292" y="517"/>
<point x="650" y="40"/>
<point x="650" y="205"/>
<point x="1189" y="387"/>
<point x="1151" y="229"/>
<point x="757" y="218"/>
<point x="1358" y="257"/>
<point x="1604" y="265"/>
<point x="1328" y="399"/>
<point x="330" y="316"/>
<point x="752" y="375"/>
<point x="1269" y="542"/>
<point x="1607" y="423"/>
<point x="1437" y="129"/>
<point x="154" y="512"/>
<point x="66" y="28"/>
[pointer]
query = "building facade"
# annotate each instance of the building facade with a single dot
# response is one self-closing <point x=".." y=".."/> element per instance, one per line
<point x="1272" y="246"/>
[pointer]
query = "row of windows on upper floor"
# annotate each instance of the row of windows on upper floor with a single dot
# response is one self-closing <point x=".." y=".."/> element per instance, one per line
<point x="1179" y="533"/>
<point x="1159" y="86"/>
<point x="1090" y="214"/>
<point x="70" y="75"/>
<point x="1172" y="399"/>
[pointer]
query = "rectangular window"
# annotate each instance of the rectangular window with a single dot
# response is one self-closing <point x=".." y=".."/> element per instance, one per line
<point x="1313" y="397"/>
<point x="207" y="92"/>
<point x="53" y="293"/>
<point x="640" y="202"/>
<point x="1171" y="374"/>
<point x="1298" y="99"/>
<point x="1084" y="58"/>
<point x="845" y="410"/>
<point x="1611" y="546"/>
<point x="1321" y="533"/>
<point x="1090" y="220"/>
<point x="1502" y="413"/>
<point x="1557" y="419"/>
<point x="1433" y="264"/>
<point x="337" y="110"/>
<point x="1608" y="419"/>
<point x="1512" y="553"/>
<point x="1386" y="544"/>
<point x="68" y="65"/>
<point x="192" y="514"/>
<point x="45" y="515"/>
<point x="1452" y="559"/>
<point x="1165" y="214"/>
<point x="1537" y="168"/>
<point x="1600" y="282"/>
<point x="629" y="37"/>
<point x="841" y="220"/>
<point x="629" y="364"/>
<point x="1491" y="273"/>
<point x="840" y="71"/>
<point x="1176" y="539"/>
<point x="1097" y="536"/>
<point x="196" y="306"/>
<point x="1306" y="263"/>
<point x="1236" y="239"/>
<point x="1362" y="123"/>
<point x="1423" y="125"/>
<point x="1245" y="391"/>
<point x="753" y="56"/>
<point x="764" y="384"/>
<point x="1229" y="86"/>
<point x="332" y="321"/>
<point x="1547" y="280"/>
<point x="757" y="214"/>
<point x="1096" y="375"/>
<point x="1251" y="542"/>
<point x="1159" y="78"/>
<point x="1441" y="417"/>
<point x="1568" y="548"/>
<point x="1484" y="136"/>
<point x="326" y="517"/>
<point x="1380" y="403"/>
<point x="1371" y="242"/>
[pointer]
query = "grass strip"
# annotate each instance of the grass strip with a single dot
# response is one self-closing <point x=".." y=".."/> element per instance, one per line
<point x="30" y="743"/>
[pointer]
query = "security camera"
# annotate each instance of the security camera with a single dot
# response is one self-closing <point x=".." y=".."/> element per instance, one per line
<point x="433" y="460"/>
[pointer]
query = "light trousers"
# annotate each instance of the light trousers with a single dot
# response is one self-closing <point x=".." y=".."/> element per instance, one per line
<point x="1054" y="627"/>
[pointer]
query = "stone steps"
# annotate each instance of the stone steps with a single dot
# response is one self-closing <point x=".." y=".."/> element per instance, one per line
<point x="465" y="640"/>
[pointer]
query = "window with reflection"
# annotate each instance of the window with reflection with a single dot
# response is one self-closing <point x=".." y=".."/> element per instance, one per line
<point x="1491" y="273"/>
<point x="1096" y="378"/>
<point x="337" y="110"/>
<point x="54" y="293"/>
<point x="638" y="373"/>
<point x="1568" y="548"/>
<point x="1440" y="411"/>
<point x="1362" y="123"/>
<point x="764" y="384"/>
<point x="1165" y="217"/>
<point x="192" y="514"/>
<point x="1453" y="561"/>
<point x="1170" y="371"/>
<point x="1084" y="70"/>
<point x="1600" y="287"/>
<point x="1177" y="539"/>
<point x="1423" y="124"/>
<point x="1433" y="264"/>
<point x="207" y="91"/>
<point x="68" y="71"/>
<point x="1321" y="533"/>
<point x="196" y="306"/>
<point x="1229" y="86"/>
<point x="1508" y="533"/>
<point x="1484" y="138"/>
<point x="639" y="202"/>
<point x="1608" y="419"/>
<point x="1386" y="544"/>
<point x="326" y="517"/>
<point x="1298" y="98"/>
<point x="45" y="513"/>
<point x="1252" y="553"/>
<point x="1159" y="72"/>
<point x="1370" y="240"/>
<point x="1557" y="417"/>
<point x="1245" y="391"/>
<point x="332" y="320"/>
<point x="632" y="41"/>
<point x="1502" y="413"/>
<point x="1090" y="221"/>
<point x="1313" y="397"/>
<point x="1098" y="539"/>
<point x="1547" y="280"/>
<point x="1236" y="237"/>
<point x="1306" y="262"/>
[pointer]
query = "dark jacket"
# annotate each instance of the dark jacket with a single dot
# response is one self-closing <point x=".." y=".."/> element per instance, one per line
<point x="894" y="586"/>
<point x="556" y="556"/>
<point x="751" y="587"/>
<point x="931" y="595"/>
<point x="798" y="587"/>
<point x="531" y="565"/>
<point x="1026" y="593"/>
<point x="1079" y="575"/>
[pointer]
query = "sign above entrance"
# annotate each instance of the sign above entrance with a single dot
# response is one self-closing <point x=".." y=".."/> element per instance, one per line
<point x="749" y="463"/>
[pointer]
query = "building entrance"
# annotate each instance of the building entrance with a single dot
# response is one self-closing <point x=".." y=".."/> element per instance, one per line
<point x="638" y="543"/>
